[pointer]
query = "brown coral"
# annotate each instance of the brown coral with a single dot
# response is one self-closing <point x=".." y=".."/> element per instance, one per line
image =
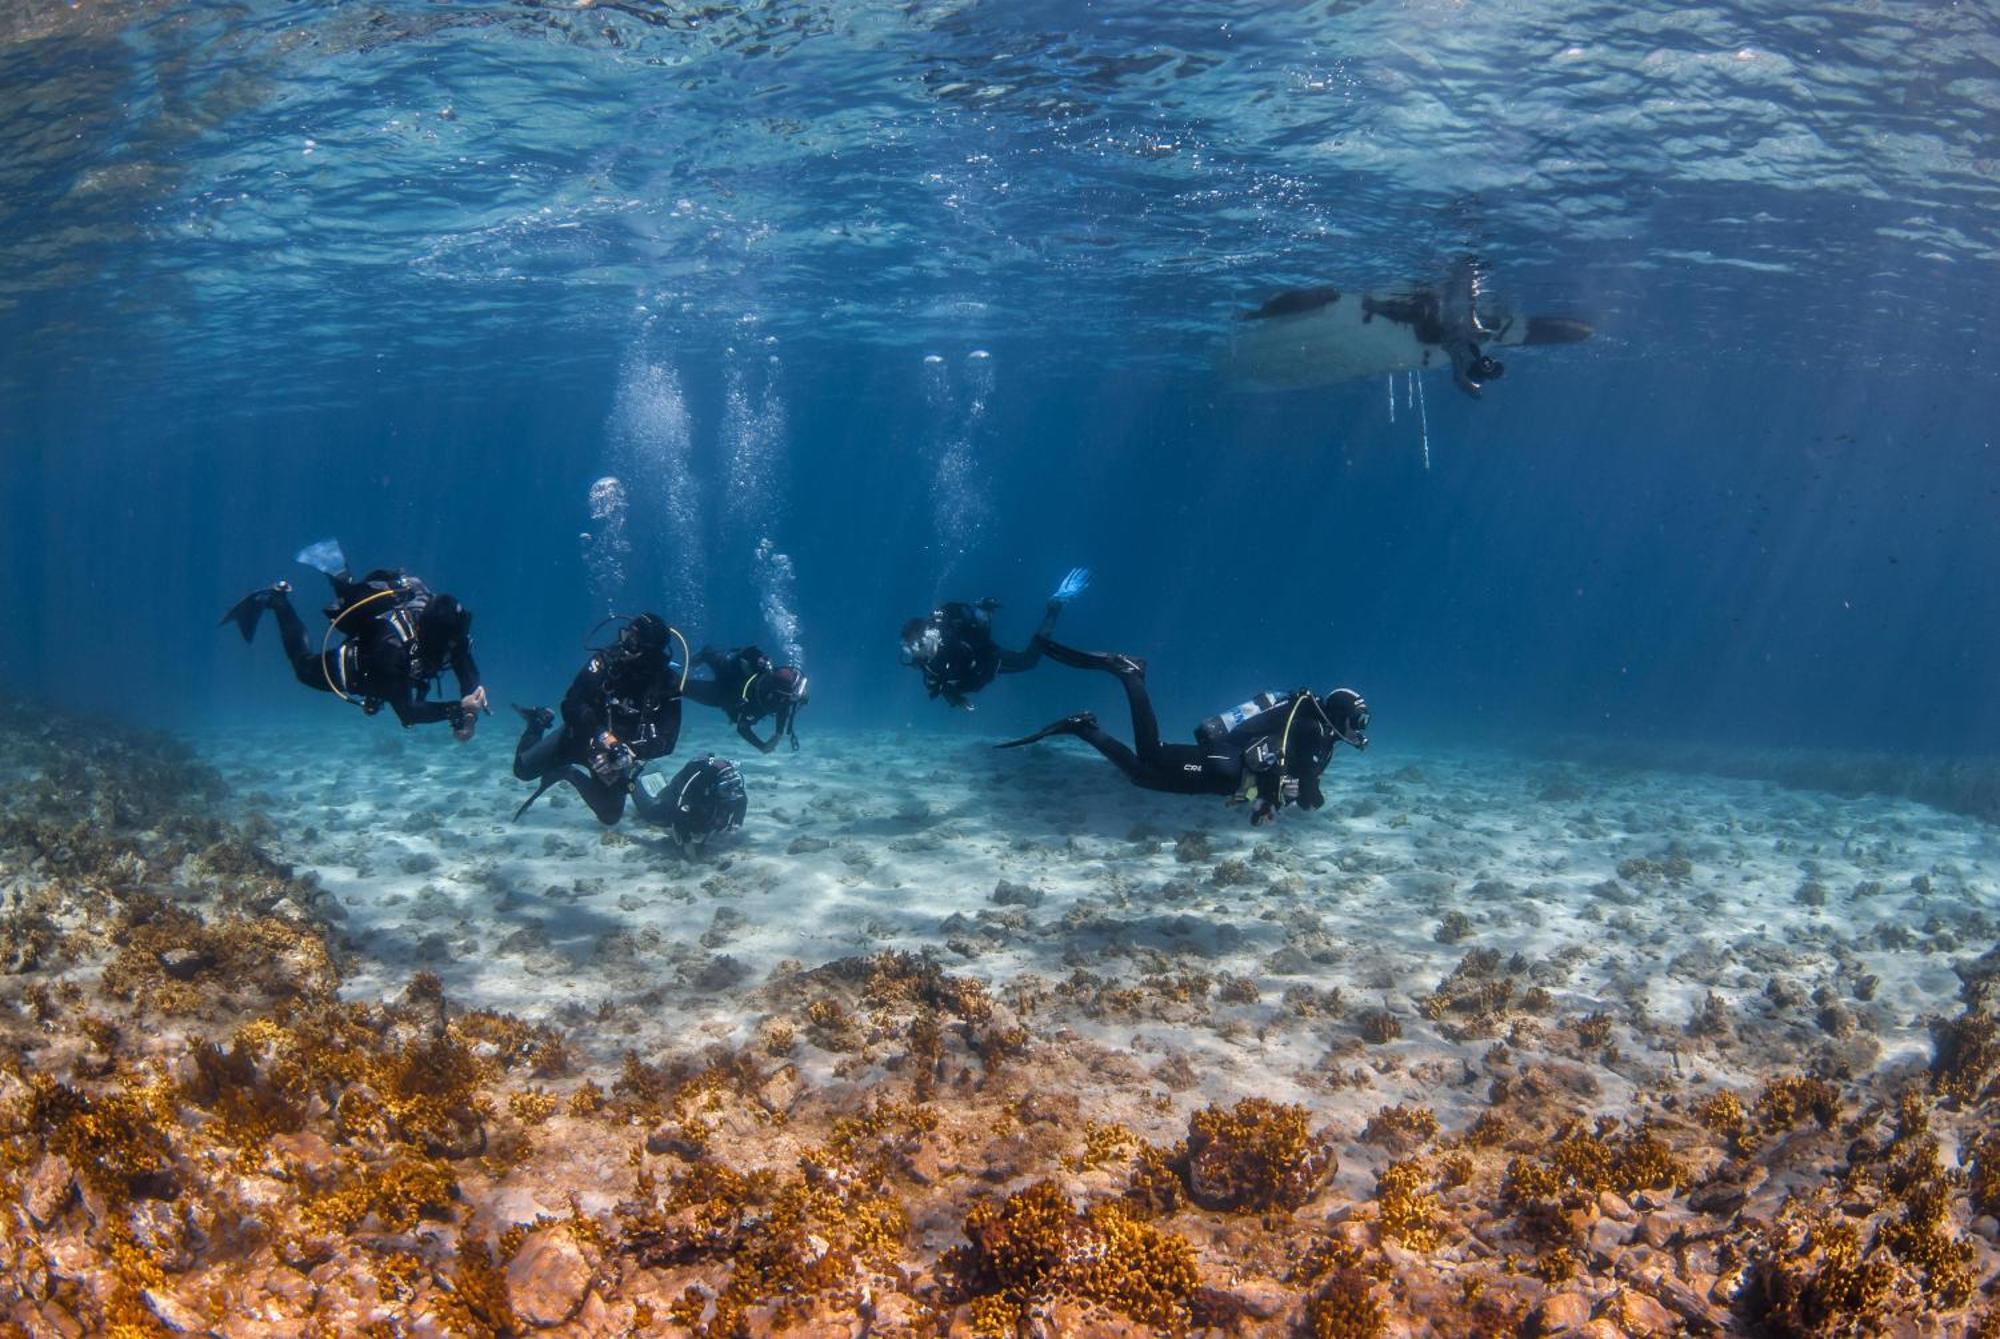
<point x="1034" y="1245"/>
<point x="1255" y="1156"/>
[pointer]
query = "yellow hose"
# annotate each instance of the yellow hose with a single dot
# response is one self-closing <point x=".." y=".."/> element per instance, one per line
<point x="338" y="619"/>
<point x="687" y="656"/>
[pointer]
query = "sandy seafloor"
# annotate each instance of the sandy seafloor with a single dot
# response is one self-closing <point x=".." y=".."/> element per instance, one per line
<point x="954" y="1042"/>
<point x="1828" y="927"/>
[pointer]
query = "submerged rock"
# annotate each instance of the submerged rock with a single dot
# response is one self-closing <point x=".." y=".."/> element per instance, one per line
<point x="548" y="1278"/>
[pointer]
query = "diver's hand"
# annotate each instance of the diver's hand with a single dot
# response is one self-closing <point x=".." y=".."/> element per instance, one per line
<point x="462" y="729"/>
<point x="611" y="761"/>
<point x="475" y="701"/>
<point x="1288" y="790"/>
<point x="1265" y="812"/>
<point x="795" y="743"/>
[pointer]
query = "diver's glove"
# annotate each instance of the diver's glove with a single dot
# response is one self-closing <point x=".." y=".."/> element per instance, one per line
<point x="1071" y="586"/>
<point x="1263" y="812"/>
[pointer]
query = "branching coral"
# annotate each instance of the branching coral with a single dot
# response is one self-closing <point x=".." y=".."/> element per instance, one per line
<point x="1401" y="1127"/>
<point x="1581" y="1163"/>
<point x="397" y="1193"/>
<point x="1034" y="1245"/>
<point x="116" y="1141"/>
<point x="1409" y="1212"/>
<point x="1255" y="1156"/>
<point x="1966" y="1055"/>
<point x="1789" y="1099"/>
<point x="1340" y="1300"/>
<point x="1156" y="1187"/>
<point x="1815" y="1276"/>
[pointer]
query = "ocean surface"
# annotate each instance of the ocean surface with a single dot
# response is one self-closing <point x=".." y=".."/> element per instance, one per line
<point x="791" y="321"/>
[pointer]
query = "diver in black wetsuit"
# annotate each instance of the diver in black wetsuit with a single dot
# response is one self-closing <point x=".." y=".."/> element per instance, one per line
<point x="622" y="710"/>
<point x="745" y="686"/>
<point x="704" y="799"/>
<point x="397" y="639"/>
<point x="955" y="651"/>
<point x="1269" y="751"/>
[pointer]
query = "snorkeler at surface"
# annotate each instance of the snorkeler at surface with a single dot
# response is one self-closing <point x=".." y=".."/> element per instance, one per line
<point x="622" y="710"/>
<point x="746" y="687"/>
<point x="1269" y="752"/>
<point x="955" y="651"/>
<point x="397" y="640"/>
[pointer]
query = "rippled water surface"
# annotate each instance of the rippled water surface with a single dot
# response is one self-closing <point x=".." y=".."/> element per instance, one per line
<point x="354" y="182"/>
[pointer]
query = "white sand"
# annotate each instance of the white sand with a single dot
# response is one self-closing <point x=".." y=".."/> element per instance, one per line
<point x="865" y="842"/>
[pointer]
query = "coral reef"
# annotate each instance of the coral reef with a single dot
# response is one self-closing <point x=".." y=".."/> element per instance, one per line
<point x="220" y="1114"/>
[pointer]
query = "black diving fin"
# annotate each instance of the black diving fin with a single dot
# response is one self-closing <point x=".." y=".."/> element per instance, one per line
<point x="1068" y="725"/>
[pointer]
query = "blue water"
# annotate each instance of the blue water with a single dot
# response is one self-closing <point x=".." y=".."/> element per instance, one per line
<point x="928" y="296"/>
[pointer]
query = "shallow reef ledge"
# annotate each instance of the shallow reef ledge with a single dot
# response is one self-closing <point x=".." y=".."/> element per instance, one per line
<point x="210" y="1130"/>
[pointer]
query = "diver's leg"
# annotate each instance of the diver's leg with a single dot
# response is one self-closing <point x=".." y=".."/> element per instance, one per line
<point x="310" y="667"/>
<point x="1092" y="734"/>
<point x="1145" y="724"/>
<point x="607" y="802"/>
<point x="539" y="749"/>
<point x="1108" y="661"/>
<point x="1014" y="662"/>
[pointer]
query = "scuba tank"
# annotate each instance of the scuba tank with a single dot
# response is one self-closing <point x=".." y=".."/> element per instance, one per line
<point x="387" y="594"/>
<point x="1219" y="727"/>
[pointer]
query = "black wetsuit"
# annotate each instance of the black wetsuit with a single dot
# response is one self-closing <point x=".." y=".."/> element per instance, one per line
<point x="967" y="658"/>
<point x="633" y="697"/>
<point x="706" y="797"/>
<point x="743" y="688"/>
<point x="382" y="659"/>
<point x="1248" y="755"/>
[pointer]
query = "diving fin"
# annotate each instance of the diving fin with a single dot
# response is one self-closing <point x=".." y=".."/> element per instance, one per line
<point x="246" y="611"/>
<point x="1068" y="725"/>
<point x="541" y="790"/>
<point x="324" y="556"/>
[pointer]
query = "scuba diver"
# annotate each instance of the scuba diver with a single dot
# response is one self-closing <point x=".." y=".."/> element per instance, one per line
<point x="745" y="686"/>
<point x="622" y="710"/>
<point x="1268" y="752"/>
<point x="955" y="651"/>
<point x="397" y="639"/>
<point x="704" y="799"/>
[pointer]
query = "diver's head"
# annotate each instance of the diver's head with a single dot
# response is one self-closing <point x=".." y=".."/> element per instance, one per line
<point x="1347" y="716"/>
<point x="922" y="639"/>
<point x="444" y="626"/>
<point x="642" y="633"/>
<point x="1485" y="368"/>
<point x="788" y="684"/>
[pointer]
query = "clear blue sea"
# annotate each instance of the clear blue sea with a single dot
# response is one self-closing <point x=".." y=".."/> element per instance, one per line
<point x="927" y="299"/>
<point x="1642" y="977"/>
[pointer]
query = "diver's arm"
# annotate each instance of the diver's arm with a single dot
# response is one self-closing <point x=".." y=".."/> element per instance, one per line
<point x="413" y="710"/>
<point x="465" y="670"/>
<point x="743" y="728"/>
<point x="583" y="705"/>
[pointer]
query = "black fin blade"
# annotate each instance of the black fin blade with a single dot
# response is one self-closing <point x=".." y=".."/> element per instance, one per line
<point x="1557" y="330"/>
<point x="245" y="613"/>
